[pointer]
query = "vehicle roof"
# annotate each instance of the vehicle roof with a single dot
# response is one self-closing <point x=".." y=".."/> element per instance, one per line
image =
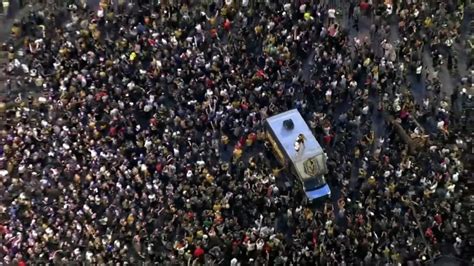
<point x="287" y="137"/>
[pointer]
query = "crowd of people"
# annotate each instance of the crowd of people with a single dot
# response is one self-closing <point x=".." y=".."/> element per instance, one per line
<point x="147" y="145"/>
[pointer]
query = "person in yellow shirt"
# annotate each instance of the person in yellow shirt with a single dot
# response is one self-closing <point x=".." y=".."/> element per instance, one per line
<point x="217" y="207"/>
<point x="130" y="219"/>
<point x="209" y="178"/>
<point x="307" y="16"/>
<point x="372" y="181"/>
<point x="133" y="55"/>
<point x="428" y="22"/>
<point x="392" y="187"/>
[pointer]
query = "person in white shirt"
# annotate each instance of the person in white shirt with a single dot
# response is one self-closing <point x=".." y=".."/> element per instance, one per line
<point x="331" y="15"/>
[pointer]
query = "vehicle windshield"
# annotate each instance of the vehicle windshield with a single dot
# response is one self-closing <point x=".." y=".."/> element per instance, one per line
<point x="314" y="182"/>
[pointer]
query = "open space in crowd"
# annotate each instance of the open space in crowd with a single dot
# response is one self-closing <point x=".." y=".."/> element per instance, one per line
<point x="132" y="133"/>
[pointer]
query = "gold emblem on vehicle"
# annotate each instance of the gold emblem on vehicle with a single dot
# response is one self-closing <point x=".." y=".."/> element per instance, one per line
<point x="311" y="167"/>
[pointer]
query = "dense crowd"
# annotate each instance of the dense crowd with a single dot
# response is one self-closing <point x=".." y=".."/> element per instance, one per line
<point x="147" y="144"/>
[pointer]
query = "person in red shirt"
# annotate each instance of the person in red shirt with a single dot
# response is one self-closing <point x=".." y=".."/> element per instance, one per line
<point x="227" y="25"/>
<point x="260" y="73"/>
<point x="198" y="252"/>
<point x="251" y="138"/>
<point x="438" y="219"/>
<point x="159" y="167"/>
<point x="364" y="6"/>
<point x="328" y="139"/>
<point x="113" y="131"/>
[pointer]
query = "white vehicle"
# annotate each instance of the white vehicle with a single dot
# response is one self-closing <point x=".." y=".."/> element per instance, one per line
<point x="297" y="149"/>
